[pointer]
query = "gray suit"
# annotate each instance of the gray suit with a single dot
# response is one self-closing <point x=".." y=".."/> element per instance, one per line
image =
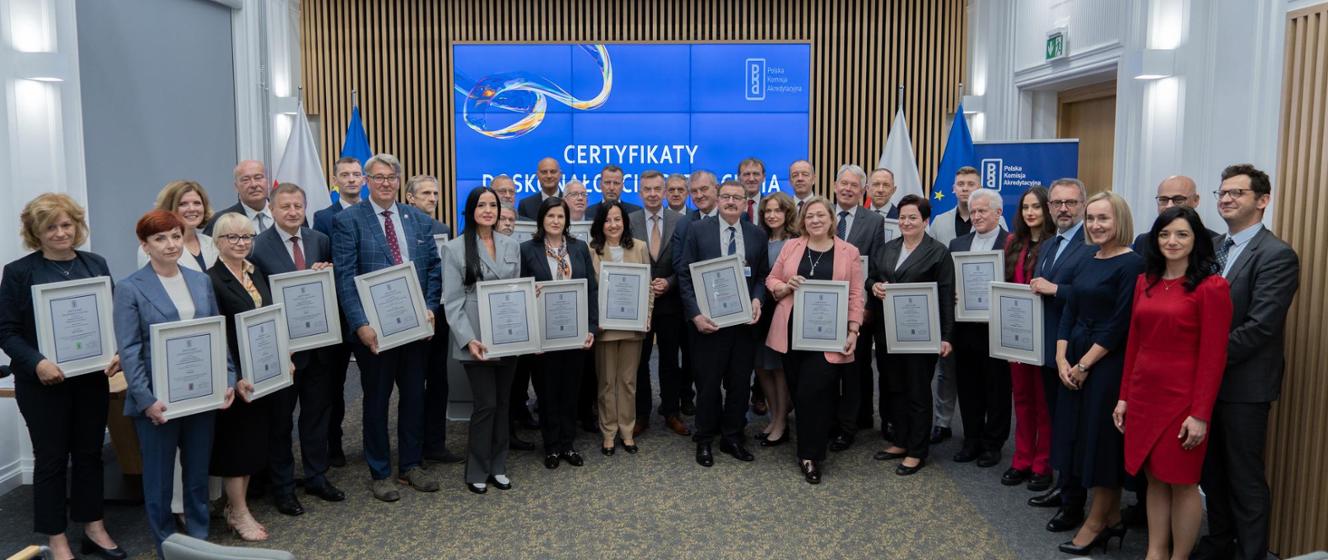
<point x="1263" y="281"/>
<point x="855" y="403"/>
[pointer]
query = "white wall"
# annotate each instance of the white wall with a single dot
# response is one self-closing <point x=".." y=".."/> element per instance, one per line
<point x="1220" y="104"/>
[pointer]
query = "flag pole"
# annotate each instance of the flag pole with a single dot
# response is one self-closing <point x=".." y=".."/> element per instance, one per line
<point x="899" y="97"/>
<point x="354" y="97"/>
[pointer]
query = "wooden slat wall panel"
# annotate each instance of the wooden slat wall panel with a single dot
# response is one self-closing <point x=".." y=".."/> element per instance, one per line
<point x="1298" y="448"/>
<point x="397" y="54"/>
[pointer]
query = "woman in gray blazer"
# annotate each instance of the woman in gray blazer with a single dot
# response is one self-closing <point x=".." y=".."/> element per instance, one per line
<point x="478" y="255"/>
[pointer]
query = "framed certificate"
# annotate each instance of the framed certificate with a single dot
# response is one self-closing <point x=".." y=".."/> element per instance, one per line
<point x="912" y="318"/>
<point x="1015" y="330"/>
<point x="438" y="241"/>
<point x="394" y="305"/>
<point x="523" y="231"/>
<point x="975" y="271"/>
<point x="581" y="230"/>
<point x="508" y="317"/>
<point x="265" y="360"/>
<point x="721" y="291"/>
<point x="313" y="317"/>
<point x="820" y="316"/>
<point x="624" y="296"/>
<point x="564" y="314"/>
<point x="74" y="324"/>
<point x="891" y="229"/>
<point x="189" y="365"/>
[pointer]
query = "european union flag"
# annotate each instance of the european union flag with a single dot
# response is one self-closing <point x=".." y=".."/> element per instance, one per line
<point x="958" y="153"/>
<point x="356" y="144"/>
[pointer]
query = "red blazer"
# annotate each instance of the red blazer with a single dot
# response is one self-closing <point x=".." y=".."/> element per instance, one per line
<point x="848" y="267"/>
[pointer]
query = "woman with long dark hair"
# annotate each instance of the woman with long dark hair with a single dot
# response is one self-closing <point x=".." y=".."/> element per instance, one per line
<point x="779" y="218"/>
<point x="617" y="353"/>
<point x="1174" y="361"/>
<point x="1032" y="430"/>
<point x="475" y="256"/>
<point x="552" y="254"/>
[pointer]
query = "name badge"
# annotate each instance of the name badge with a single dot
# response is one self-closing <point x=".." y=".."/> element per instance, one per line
<point x="747" y="272"/>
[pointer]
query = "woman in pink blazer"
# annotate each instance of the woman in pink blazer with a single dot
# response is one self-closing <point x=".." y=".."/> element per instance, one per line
<point x="814" y="376"/>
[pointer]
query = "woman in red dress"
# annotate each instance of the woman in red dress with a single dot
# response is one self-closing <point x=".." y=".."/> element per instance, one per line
<point x="1174" y="360"/>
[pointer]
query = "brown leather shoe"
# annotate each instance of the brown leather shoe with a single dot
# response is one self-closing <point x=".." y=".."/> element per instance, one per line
<point x="677" y="426"/>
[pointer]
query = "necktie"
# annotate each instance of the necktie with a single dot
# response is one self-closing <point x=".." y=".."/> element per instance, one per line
<point x="751" y="210"/>
<point x="297" y="253"/>
<point x="1051" y="250"/>
<point x="1222" y="251"/>
<point x="261" y="221"/>
<point x="733" y="241"/>
<point x="654" y="237"/>
<point x="390" y="231"/>
<point x="841" y="230"/>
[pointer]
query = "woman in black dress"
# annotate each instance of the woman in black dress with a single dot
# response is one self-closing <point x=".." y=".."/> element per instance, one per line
<point x="1090" y="353"/>
<point x="239" y="449"/>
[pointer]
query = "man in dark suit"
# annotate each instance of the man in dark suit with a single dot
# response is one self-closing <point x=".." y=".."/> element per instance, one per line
<point x="611" y="186"/>
<point x="751" y="174"/>
<point x="982" y="382"/>
<point x="289" y="247"/>
<point x="550" y="176"/>
<point x="422" y="192"/>
<point x="1264" y="273"/>
<point x="1058" y="260"/>
<point x="675" y="191"/>
<point x="863" y="229"/>
<point x="373" y="235"/>
<point x="349" y="178"/>
<point x="654" y="226"/>
<point x="1176" y="190"/>
<point x="881" y="188"/>
<point x="727" y="354"/>
<point x="251" y="188"/>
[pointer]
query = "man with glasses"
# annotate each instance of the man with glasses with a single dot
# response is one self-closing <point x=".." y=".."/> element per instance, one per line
<point x="372" y="235"/>
<point x="1176" y="190"/>
<point x="290" y="247"/>
<point x="505" y="188"/>
<point x="549" y="175"/>
<point x="1058" y="259"/>
<point x="251" y="188"/>
<point x="575" y="195"/>
<point x="1264" y="274"/>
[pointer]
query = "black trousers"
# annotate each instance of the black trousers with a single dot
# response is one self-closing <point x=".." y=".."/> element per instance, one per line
<point x="1234" y="479"/>
<point x="435" y="390"/>
<point x="1068" y="483"/>
<point x="338" y="358"/>
<point x="675" y="378"/>
<point x="523" y="378"/>
<point x="985" y="400"/>
<point x="66" y="422"/>
<point x="560" y="388"/>
<point x="490" y="386"/>
<point x="815" y="383"/>
<point x="722" y="362"/>
<point x="862" y="361"/>
<point x="909" y="385"/>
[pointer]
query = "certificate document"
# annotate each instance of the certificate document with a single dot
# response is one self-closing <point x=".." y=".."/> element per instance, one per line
<point x="891" y="229"/>
<point x="189" y="367"/>
<point x="624" y="292"/>
<point x="720" y="286"/>
<point x="313" y="316"/>
<point x="305" y="309"/>
<point x="911" y="318"/>
<point x="189" y="364"/>
<point x="264" y="358"/>
<point x="911" y="315"/>
<point x="978" y="277"/>
<point x="820" y="316"/>
<point x="975" y="271"/>
<point x="624" y="296"/>
<point x="721" y="293"/>
<point x="564" y="314"/>
<point x="507" y="314"/>
<point x="510" y="315"/>
<point x="1014" y="331"/>
<point x="394" y="305"/>
<point x="396" y="311"/>
<point x="77" y="327"/>
<point x="580" y="230"/>
<point x="1016" y="323"/>
<point x="73" y="324"/>
<point x="560" y="321"/>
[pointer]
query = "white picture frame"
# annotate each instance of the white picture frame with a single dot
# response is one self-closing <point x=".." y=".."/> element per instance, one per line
<point x="911" y="314"/>
<point x="891" y="229"/>
<point x="394" y="305"/>
<point x="75" y="326"/>
<point x="580" y="229"/>
<point x="440" y="239"/>
<point x="624" y="296"/>
<point x="264" y="348"/>
<point x="721" y="291"/>
<point x="564" y="314"/>
<point x="198" y="347"/>
<point x="302" y="293"/>
<point x="974" y="273"/>
<point x="820" y="316"/>
<point x="1015" y="331"/>
<point x="523" y="231"/>
<point x="517" y="330"/>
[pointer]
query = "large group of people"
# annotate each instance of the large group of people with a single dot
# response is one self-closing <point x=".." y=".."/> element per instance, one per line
<point x="1162" y="352"/>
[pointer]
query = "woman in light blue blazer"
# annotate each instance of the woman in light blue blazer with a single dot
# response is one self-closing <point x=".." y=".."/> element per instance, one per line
<point x="478" y="255"/>
<point x="161" y="292"/>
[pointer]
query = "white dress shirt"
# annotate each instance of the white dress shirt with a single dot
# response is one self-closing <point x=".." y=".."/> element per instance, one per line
<point x="290" y="250"/>
<point x="737" y="235"/>
<point x="1241" y="239"/>
<point x="848" y="220"/>
<point x="396" y="223"/>
<point x="266" y="214"/>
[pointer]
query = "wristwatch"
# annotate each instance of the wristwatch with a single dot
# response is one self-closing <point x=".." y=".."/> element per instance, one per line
<point x="1081" y="367"/>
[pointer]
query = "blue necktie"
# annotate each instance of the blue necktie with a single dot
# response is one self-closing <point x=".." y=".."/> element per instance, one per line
<point x="841" y="230"/>
<point x="1222" y="251"/>
<point x="1051" y="252"/>
<point x="733" y="241"/>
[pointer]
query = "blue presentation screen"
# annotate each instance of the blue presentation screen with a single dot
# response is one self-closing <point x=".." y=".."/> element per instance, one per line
<point x="674" y="108"/>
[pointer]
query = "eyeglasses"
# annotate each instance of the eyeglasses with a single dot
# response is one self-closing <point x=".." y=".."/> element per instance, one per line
<point x="575" y="195"/>
<point x="1064" y="203"/>
<point x="1233" y="193"/>
<point x="732" y="197"/>
<point x="384" y="178"/>
<point x="234" y="239"/>
<point x="1177" y="200"/>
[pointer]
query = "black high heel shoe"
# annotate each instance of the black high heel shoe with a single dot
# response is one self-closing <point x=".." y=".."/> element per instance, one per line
<point x="631" y="449"/>
<point x="783" y="438"/>
<point x="91" y="547"/>
<point x="1102" y="539"/>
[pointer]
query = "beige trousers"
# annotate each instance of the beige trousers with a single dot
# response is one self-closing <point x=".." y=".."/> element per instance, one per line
<point x="616" y="362"/>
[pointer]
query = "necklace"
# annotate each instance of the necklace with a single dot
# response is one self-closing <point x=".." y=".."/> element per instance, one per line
<point x="819" y="256"/>
<point x="64" y="271"/>
<point x="1168" y="284"/>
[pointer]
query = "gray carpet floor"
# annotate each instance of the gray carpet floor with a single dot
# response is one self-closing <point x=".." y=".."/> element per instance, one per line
<point x="656" y="504"/>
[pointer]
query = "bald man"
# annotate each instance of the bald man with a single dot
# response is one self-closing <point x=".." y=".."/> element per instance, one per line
<point x="251" y="186"/>
<point x="1176" y="190"/>
<point x="550" y="176"/>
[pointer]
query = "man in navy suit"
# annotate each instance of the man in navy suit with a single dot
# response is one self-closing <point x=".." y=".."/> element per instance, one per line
<point x="550" y="176"/>
<point x="881" y="188"/>
<point x="349" y="178"/>
<point x="724" y="357"/>
<point x="1059" y="259"/>
<point x="288" y="247"/>
<point x="1176" y="190"/>
<point x="422" y="192"/>
<point x="981" y="382"/>
<point x="611" y="185"/>
<point x="372" y="235"/>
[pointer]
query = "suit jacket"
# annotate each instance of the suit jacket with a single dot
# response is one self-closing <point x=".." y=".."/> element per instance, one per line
<point x="1060" y="272"/>
<point x="1263" y="281"/>
<point x="929" y="262"/>
<point x="207" y="247"/>
<point x="270" y="257"/>
<point x="140" y="302"/>
<point x="638" y="254"/>
<point x="892" y="213"/>
<point x="232" y="299"/>
<point x="973" y="336"/>
<point x="528" y="207"/>
<point x="325" y="219"/>
<point x="847" y="268"/>
<point x="661" y="267"/>
<point x="237" y="208"/>
<point x="359" y="247"/>
<point x="535" y="264"/>
<point x="943" y="225"/>
<point x="593" y="209"/>
<point x="18" y="327"/>
<point x="461" y="302"/>
<point x="702" y="243"/>
<point x="867" y="232"/>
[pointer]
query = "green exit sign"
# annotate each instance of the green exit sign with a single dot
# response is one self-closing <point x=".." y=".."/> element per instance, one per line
<point x="1055" y="44"/>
